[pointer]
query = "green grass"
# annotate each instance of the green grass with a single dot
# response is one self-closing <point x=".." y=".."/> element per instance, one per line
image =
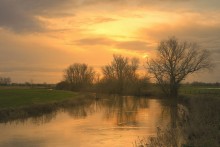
<point x="195" y="90"/>
<point x="18" y="97"/>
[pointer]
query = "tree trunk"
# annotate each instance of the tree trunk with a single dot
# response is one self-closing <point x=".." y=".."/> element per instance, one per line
<point x="174" y="90"/>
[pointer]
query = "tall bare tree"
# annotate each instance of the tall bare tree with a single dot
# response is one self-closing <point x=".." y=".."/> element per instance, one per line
<point x="79" y="76"/>
<point x="175" y="60"/>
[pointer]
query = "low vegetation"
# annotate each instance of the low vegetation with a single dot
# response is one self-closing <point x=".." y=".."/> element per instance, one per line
<point x="17" y="97"/>
<point x="198" y="127"/>
<point x="22" y="102"/>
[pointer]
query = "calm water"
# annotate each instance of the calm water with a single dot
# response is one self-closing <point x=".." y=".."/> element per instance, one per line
<point x="115" y="122"/>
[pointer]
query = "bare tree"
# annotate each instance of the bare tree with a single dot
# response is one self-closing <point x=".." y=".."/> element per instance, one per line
<point x="79" y="76"/>
<point x="175" y="60"/>
<point x="120" y="71"/>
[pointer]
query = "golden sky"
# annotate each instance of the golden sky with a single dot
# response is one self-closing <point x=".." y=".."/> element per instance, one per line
<point x="40" y="38"/>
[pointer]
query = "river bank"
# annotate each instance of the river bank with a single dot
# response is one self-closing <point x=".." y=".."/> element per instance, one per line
<point x="197" y="123"/>
<point x="22" y="103"/>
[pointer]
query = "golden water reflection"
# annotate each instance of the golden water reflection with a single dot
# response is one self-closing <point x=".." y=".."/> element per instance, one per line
<point x="115" y="121"/>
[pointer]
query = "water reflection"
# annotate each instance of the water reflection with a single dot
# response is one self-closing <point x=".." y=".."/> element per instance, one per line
<point x="172" y="134"/>
<point x="108" y="121"/>
<point x="124" y="109"/>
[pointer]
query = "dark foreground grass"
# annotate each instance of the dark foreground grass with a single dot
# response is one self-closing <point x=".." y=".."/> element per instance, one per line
<point x="21" y="103"/>
<point x="200" y="129"/>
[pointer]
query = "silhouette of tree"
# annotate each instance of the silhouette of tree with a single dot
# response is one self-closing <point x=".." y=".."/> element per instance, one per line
<point x="79" y="76"/>
<point x="121" y="70"/>
<point x="175" y="60"/>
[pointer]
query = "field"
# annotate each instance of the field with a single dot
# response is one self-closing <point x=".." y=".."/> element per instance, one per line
<point x="198" y="90"/>
<point x="17" y="97"/>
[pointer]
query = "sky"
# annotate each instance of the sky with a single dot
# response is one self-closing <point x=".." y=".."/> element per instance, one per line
<point x="40" y="38"/>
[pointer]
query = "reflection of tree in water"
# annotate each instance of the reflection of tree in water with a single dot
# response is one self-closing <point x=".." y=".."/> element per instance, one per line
<point x="46" y="118"/>
<point x="171" y="135"/>
<point x="193" y="127"/>
<point x="80" y="111"/>
<point x="170" y="108"/>
<point x="38" y="120"/>
<point x="75" y="110"/>
<point x="124" y="109"/>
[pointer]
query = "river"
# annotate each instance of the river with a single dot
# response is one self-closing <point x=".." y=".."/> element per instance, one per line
<point x="105" y="122"/>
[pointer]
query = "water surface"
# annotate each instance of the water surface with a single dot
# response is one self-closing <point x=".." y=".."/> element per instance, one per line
<point x="109" y="122"/>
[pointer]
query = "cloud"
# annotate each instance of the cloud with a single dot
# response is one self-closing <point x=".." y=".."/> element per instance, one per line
<point x="132" y="45"/>
<point x="207" y="35"/>
<point x="16" y="19"/>
<point x="94" y="41"/>
<point x="100" y="19"/>
<point x="22" y="15"/>
<point x="217" y="51"/>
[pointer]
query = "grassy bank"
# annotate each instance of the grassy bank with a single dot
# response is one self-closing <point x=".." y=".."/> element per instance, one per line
<point x="198" y="127"/>
<point x="18" y="103"/>
<point x="15" y="97"/>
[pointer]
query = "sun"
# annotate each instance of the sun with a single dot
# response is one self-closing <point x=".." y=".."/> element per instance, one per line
<point x="145" y="56"/>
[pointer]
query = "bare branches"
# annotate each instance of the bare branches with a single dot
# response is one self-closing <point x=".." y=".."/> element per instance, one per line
<point x="175" y="61"/>
<point x="121" y="76"/>
<point x="121" y="68"/>
<point x="79" y="75"/>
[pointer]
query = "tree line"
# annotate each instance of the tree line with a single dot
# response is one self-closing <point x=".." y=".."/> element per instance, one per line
<point x="5" y="81"/>
<point x="119" y="77"/>
<point x="174" y="61"/>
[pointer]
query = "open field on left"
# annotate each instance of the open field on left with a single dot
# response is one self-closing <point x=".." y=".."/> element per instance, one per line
<point x="13" y="97"/>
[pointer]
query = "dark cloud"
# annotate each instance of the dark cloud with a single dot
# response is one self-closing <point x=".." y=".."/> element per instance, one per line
<point x="134" y="45"/>
<point x="94" y="41"/>
<point x="204" y="34"/>
<point x="101" y="19"/>
<point x="22" y="15"/>
<point x="16" y="19"/>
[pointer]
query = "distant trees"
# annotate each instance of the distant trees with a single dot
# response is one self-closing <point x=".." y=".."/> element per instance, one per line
<point x="5" y="80"/>
<point x="175" y="60"/>
<point x="121" y="76"/>
<point x="77" y="77"/>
